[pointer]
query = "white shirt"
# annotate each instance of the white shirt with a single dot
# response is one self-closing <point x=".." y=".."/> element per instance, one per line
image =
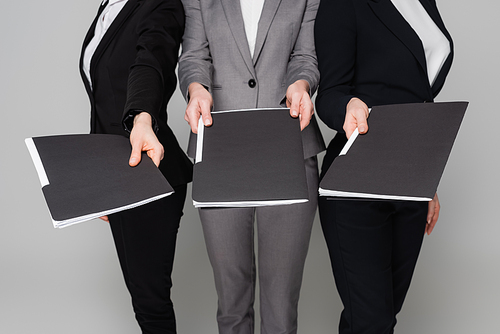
<point x="107" y="17"/>
<point x="436" y="45"/>
<point x="251" y="11"/>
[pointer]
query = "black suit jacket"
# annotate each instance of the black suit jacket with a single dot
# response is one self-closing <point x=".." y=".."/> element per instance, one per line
<point x="366" y="49"/>
<point x="133" y="68"/>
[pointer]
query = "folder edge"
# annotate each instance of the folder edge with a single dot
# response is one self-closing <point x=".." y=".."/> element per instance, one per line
<point x="76" y="220"/>
<point x="368" y="196"/>
<point x="247" y="204"/>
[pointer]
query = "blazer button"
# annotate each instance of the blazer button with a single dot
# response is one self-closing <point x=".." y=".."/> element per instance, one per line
<point x="252" y="83"/>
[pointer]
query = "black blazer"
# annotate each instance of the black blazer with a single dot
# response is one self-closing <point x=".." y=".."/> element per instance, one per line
<point x="133" y="68"/>
<point x="366" y="49"/>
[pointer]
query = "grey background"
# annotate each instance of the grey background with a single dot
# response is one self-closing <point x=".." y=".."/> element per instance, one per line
<point x="68" y="281"/>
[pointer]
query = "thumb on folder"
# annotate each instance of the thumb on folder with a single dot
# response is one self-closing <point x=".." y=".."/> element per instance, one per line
<point x="143" y="138"/>
<point x="199" y="105"/>
<point x="299" y="102"/>
<point x="355" y="117"/>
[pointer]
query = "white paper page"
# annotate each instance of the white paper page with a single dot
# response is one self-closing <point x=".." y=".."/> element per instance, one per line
<point x="345" y="194"/>
<point x="199" y="141"/>
<point x="42" y="176"/>
<point x="245" y="204"/>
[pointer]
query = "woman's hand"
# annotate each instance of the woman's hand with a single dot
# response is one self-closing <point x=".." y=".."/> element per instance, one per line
<point x="143" y="138"/>
<point x="299" y="102"/>
<point x="200" y="103"/>
<point x="355" y="117"/>
<point x="432" y="214"/>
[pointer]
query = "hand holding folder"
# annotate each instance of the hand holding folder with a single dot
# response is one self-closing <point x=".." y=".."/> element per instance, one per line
<point x="199" y="107"/>
<point x="143" y="138"/>
<point x="401" y="157"/>
<point x="356" y="116"/>
<point x="88" y="176"/>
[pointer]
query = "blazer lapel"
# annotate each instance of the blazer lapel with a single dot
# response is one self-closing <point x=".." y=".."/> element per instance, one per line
<point x="232" y="11"/>
<point x="268" y="12"/>
<point x="390" y="16"/>
<point x="434" y="14"/>
<point x="86" y="41"/>
<point x="90" y="33"/>
<point x="122" y="17"/>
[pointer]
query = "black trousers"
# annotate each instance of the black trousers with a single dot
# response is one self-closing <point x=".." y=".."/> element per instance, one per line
<point x="145" y="240"/>
<point x="373" y="246"/>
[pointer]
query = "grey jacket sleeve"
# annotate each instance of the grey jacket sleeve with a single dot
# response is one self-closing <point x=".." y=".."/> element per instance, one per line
<point x="303" y="63"/>
<point x="195" y="63"/>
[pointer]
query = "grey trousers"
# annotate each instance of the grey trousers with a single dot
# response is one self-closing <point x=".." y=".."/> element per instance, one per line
<point x="283" y="234"/>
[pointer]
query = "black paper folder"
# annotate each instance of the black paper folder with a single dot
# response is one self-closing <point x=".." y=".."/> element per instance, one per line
<point x="87" y="176"/>
<point x="401" y="157"/>
<point x="249" y="158"/>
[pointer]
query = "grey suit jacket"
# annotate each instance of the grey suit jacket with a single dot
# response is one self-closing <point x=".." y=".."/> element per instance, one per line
<point x="216" y="55"/>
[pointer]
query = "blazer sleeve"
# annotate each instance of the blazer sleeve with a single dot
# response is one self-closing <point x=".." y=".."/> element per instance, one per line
<point x="152" y="75"/>
<point x="195" y="64"/>
<point x="335" y="38"/>
<point x="303" y="63"/>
